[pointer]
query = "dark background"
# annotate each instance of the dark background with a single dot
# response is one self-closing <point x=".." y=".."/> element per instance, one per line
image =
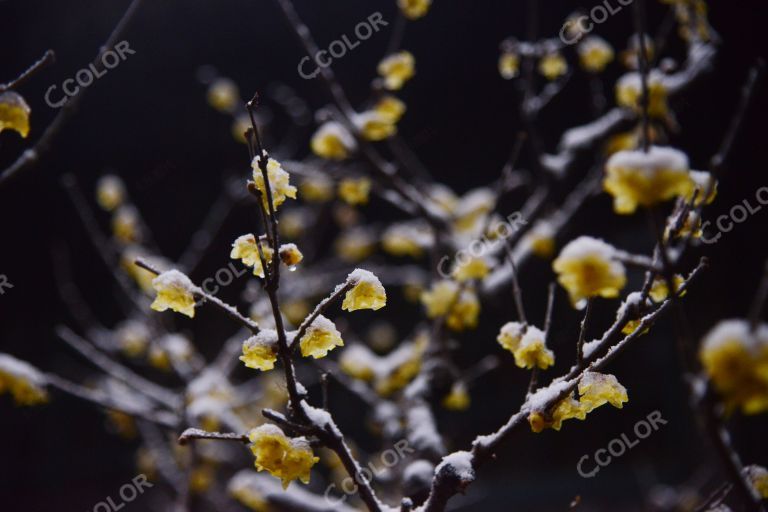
<point x="147" y="120"/>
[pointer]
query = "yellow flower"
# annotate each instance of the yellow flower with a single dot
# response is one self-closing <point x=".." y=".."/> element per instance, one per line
<point x="315" y="189"/>
<point x="526" y="344"/>
<point x="597" y="389"/>
<point x="246" y="250"/>
<point x="735" y="358"/>
<point x="509" y="65"/>
<point x="406" y="239"/>
<point x="354" y="191"/>
<point x="461" y="308"/>
<point x="110" y="192"/>
<point x="290" y="255"/>
<point x="400" y="367"/>
<point x="358" y="362"/>
<point x="293" y="223"/>
<point x="458" y="398"/>
<point x="414" y="9"/>
<point x="629" y="94"/>
<point x="174" y="291"/>
<point x="355" y="244"/>
<point x="240" y="125"/>
<point x="390" y="108"/>
<point x="223" y="95"/>
<point x="125" y="224"/>
<point x="472" y="208"/>
<point x="260" y="351"/>
<point x="170" y="351"/>
<point x="758" y="477"/>
<point x="247" y="495"/>
<point x="14" y="113"/>
<point x="568" y="408"/>
<point x="473" y="268"/>
<point x="321" y="337"/>
<point x="646" y="178"/>
<point x="333" y="141"/>
<point x="594" y="54"/>
<point x="703" y="182"/>
<point x="374" y="126"/>
<point x="586" y="268"/>
<point x="541" y="240"/>
<point x="279" y="183"/>
<point x="397" y="69"/>
<point x="659" y="289"/>
<point x="284" y="458"/>
<point x="631" y="56"/>
<point x="366" y="292"/>
<point x="24" y="382"/>
<point x="552" y="66"/>
<point x="133" y="338"/>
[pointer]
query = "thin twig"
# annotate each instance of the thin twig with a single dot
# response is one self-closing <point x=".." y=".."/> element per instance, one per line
<point x="49" y="57"/>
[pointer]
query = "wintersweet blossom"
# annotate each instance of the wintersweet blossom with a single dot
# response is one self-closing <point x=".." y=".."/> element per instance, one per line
<point x="407" y="239"/>
<point x="594" y="54"/>
<point x="23" y="381"/>
<point x="314" y="189"/>
<point x="446" y="298"/>
<point x="396" y="69"/>
<point x="133" y="337"/>
<point x="541" y="239"/>
<point x="354" y="191"/>
<point x="358" y="362"/>
<point x="595" y="389"/>
<point x="758" y="477"/>
<point x="735" y="358"/>
<point x="660" y="291"/>
<point x="126" y="225"/>
<point x="458" y="398"/>
<point x="260" y="351"/>
<point x="703" y="182"/>
<point x="290" y="255"/>
<point x="646" y="178"/>
<point x="110" y="192"/>
<point x="390" y="108"/>
<point x="333" y="141"/>
<point x="223" y="95"/>
<point x="320" y="338"/>
<point x="283" y="457"/>
<point x="374" y="126"/>
<point x="279" y="182"/>
<point x="472" y="268"/>
<point x="527" y="345"/>
<point x="586" y="267"/>
<point x="245" y="249"/>
<point x="14" y="113"/>
<point x="553" y="65"/>
<point x="414" y="9"/>
<point x="367" y="292"/>
<point x="174" y="291"/>
<point x="509" y="65"/>
<point x="629" y="93"/>
<point x="355" y="244"/>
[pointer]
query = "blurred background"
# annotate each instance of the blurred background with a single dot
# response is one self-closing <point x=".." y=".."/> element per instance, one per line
<point x="148" y="121"/>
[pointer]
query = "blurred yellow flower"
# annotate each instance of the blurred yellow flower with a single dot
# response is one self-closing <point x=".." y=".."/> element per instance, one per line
<point x="595" y="54"/>
<point x="390" y="108"/>
<point x="223" y="95"/>
<point x="414" y="9"/>
<point x="354" y="191"/>
<point x="629" y="93"/>
<point x="396" y="69"/>
<point x="646" y="178"/>
<point x="509" y="65"/>
<point x="553" y="65"/>
<point x="23" y="381"/>
<point x="332" y="141"/>
<point x="458" y="398"/>
<point x="110" y="192"/>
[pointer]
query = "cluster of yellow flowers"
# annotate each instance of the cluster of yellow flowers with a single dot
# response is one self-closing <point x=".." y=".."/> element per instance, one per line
<point x="527" y="344"/>
<point x="646" y="178"/>
<point x="629" y="93"/>
<point x="24" y="382"/>
<point x="735" y="358"/>
<point x="587" y="267"/>
<point x="283" y="457"/>
<point x="459" y="305"/>
<point x="595" y="389"/>
<point x="388" y="373"/>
